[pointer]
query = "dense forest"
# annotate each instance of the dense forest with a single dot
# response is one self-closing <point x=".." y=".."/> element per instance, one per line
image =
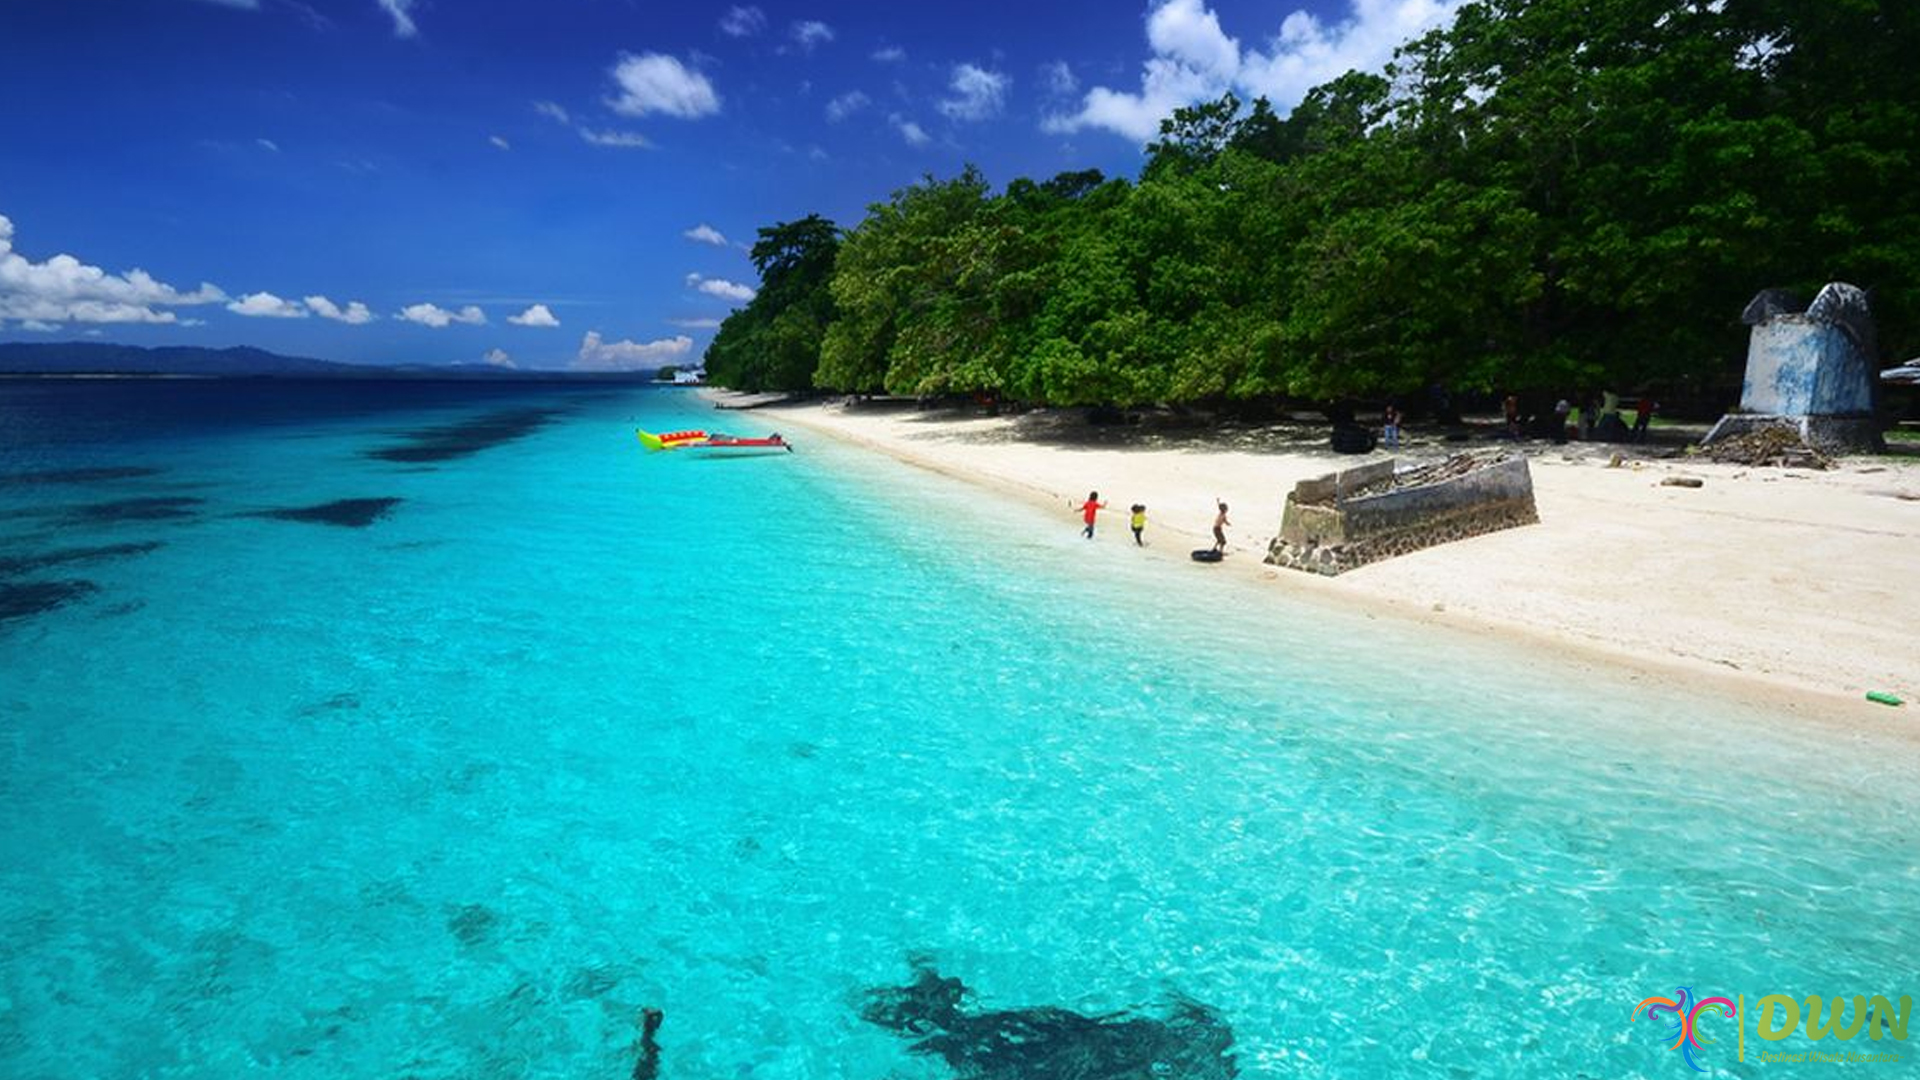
<point x="1545" y="196"/>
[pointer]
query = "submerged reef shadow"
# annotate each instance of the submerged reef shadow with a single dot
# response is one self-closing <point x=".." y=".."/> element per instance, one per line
<point x="22" y="599"/>
<point x="95" y="475"/>
<point x="472" y="925"/>
<point x="11" y="565"/>
<point x="145" y="508"/>
<point x="346" y="513"/>
<point x="1192" y="1042"/>
<point x="449" y="441"/>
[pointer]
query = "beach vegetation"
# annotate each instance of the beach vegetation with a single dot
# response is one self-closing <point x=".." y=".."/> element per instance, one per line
<point x="1544" y="197"/>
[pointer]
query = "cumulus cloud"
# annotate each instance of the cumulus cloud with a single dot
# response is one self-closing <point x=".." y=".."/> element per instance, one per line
<point x="537" y="315"/>
<point x="497" y="358"/>
<point x="743" y="21"/>
<point x="1059" y="78"/>
<point x="722" y="288"/>
<point x="599" y="355"/>
<point x="438" y="317"/>
<point x="1194" y="60"/>
<point x="978" y="94"/>
<point x="846" y="105"/>
<point x="705" y="234"/>
<point x="892" y="54"/>
<point x="625" y="140"/>
<point x="1308" y="52"/>
<point x="910" y="131"/>
<point x="64" y="289"/>
<point x="265" y="305"/>
<point x="552" y="111"/>
<point x="810" y="32"/>
<point x="402" y="12"/>
<point x="354" y="314"/>
<point x="656" y="83"/>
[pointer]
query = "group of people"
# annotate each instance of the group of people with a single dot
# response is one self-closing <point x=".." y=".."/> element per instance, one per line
<point x="1090" y="510"/>
<point x="1599" y="419"/>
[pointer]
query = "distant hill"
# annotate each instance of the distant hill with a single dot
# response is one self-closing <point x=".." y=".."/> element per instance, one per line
<point x="97" y="358"/>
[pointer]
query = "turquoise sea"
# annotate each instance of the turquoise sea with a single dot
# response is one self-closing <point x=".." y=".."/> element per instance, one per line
<point x="455" y="786"/>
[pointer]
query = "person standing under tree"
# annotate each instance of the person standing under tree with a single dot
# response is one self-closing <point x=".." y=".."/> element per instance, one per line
<point x="1390" y="426"/>
<point x="1088" y="510"/>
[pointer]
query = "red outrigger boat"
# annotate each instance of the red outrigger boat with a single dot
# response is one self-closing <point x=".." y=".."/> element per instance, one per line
<point x="677" y="440"/>
<point x="729" y="442"/>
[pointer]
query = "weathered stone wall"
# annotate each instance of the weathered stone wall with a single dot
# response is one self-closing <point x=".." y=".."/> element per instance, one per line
<point x="1799" y="366"/>
<point x="1339" y="534"/>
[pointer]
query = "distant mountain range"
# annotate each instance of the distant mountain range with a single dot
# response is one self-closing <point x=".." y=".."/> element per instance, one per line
<point x="95" y="358"/>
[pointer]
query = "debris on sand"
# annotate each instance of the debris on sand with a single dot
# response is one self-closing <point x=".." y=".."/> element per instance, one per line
<point x="1778" y="446"/>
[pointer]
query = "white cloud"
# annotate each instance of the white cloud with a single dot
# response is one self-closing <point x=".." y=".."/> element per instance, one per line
<point x="656" y="83"/>
<point x="354" y="314"/>
<point x="497" y="358"/>
<point x="500" y="142"/>
<point x="619" y="139"/>
<point x="1059" y="78"/>
<point x="39" y="327"/>
<point x="722" y="288"/>
<point x="892" y="54"/>
<point x="978" y="94"/>
<point x="626" y="140"/>
<point x="910" y="131"/>
<point x="1195" y="60"/>
<point x="552" y="111"/>
<point x="743" y="21"/>
<point x="810" y="32"/>
<point x="1308" y="52"/>
<point x="438" y="317"/>
<point x="846" y="105"/>
<point x="265" y="305"/>
<point x="695" y="324"/>
<point x="598" y="355"/>
<point x="245" y="5"/>
<point x="705" y="234"/>
<point x="537" y="315"/>
<point x="401" y="10"/>
<point x="268" y="144"/>
<point x="64" y="289"/>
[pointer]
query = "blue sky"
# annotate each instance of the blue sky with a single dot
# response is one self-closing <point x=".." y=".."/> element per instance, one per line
<point x="570" y="183"/>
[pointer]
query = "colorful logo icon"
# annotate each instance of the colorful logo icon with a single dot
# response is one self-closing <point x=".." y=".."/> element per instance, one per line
<point x="1685" y="1016"/>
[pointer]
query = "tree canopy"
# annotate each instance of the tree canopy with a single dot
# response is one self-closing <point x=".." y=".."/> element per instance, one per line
<point x="1545" y="194"/>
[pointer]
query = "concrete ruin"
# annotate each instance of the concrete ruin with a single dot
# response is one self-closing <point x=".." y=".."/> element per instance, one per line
<point x="1809" y="369"/>
<point x="1347" y="519"/>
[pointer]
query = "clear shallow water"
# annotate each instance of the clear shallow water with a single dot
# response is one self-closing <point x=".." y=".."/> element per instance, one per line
<point x="574" y="730"/>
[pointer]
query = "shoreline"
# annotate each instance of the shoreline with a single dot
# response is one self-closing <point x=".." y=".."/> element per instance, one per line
<point x="1793" y="604"/>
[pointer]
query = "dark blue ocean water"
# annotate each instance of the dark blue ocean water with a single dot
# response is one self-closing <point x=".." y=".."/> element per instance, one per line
<point x="435" y="730"/>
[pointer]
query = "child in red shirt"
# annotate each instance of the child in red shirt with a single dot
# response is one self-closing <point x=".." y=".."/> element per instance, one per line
<point x="1088" y="509"/>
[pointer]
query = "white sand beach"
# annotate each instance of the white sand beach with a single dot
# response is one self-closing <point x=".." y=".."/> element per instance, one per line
<point x="1791" y="586"/>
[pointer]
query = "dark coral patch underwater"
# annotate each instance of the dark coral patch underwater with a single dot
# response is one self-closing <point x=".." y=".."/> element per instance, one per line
<point x="347" y="513"/>
<point x="21" y="599"/>
<point x="11" y="565"/>
<point x="450" y="441"/>
<point x="98" y="474"/>
<point x="151" y="508"/>
<point x="1192" y="1043"/>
